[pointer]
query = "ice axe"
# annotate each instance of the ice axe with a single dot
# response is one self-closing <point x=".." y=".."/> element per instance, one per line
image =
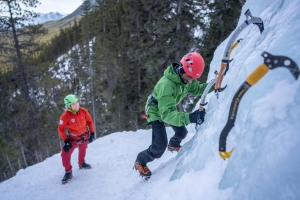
<point x="270" y="62"/>
<point x="203" y="96"/>
<point x="230" y="46"/>
<point x="209" y="85"/>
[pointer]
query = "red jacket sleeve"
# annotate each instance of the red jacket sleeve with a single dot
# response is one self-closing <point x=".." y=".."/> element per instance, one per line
<point x="89" y="122"/>
<point x="62" y="126"/>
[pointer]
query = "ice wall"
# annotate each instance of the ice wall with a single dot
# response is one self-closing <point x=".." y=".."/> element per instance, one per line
<point x="266" y="135"/>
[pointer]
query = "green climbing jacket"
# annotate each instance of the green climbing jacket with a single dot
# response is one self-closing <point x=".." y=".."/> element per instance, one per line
<point x="168" y="92"/>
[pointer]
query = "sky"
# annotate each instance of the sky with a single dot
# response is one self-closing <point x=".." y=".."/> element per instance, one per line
<point x="62" y="6"/>
<point x="266" y="138"/>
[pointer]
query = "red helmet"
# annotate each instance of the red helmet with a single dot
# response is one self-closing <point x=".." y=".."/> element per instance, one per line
<point x="193" y="64"/>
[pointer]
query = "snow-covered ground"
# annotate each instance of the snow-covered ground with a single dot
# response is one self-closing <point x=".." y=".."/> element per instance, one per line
<point x="266" y="136"/>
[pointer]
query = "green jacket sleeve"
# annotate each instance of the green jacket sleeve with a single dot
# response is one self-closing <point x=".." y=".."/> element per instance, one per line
<point x="197" y="89"/>
<point x="167" y="106"/>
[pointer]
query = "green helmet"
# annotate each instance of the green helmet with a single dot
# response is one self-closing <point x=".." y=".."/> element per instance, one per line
<point x="69" y="99"/>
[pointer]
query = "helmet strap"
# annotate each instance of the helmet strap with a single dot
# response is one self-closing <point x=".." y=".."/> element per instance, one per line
<point x="179" y="70"/>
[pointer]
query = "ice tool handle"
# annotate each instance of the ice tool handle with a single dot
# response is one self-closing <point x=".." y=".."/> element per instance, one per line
<point x="203" y="96"/>
<point x="208" y="87"/>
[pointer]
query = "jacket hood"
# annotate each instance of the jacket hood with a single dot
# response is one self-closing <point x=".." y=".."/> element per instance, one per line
<point x="171" y="74"/>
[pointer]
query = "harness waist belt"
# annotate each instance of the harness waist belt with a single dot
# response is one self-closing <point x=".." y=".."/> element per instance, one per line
<point x="153" y="100"/>
<point x="76" y="135"/>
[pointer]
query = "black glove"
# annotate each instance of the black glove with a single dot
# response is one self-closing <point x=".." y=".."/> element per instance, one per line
<point x="92" y="137"/>
<point x="197" y="116"/>
<point x="67" y="145"/>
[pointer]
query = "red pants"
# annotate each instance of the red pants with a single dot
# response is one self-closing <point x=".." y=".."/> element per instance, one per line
<point x="66" y="156"/>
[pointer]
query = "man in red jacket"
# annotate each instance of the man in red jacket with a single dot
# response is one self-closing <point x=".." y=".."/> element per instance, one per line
<point x="76" y="129"/>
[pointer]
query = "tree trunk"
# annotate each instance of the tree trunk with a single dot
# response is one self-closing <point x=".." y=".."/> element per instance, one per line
<point x="20" y="166"/>
<point x="23" y="154"/>
<point x="92" y="86"/>
<point x="10" y="165"/>
<point x="21" y="68"/>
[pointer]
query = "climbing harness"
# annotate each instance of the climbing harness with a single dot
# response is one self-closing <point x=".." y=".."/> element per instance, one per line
<point x="84" y="137"/>
<point x="150" y="101"/>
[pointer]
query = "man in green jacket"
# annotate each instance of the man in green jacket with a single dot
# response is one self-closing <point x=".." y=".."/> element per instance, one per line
<point x="178" y="81"/>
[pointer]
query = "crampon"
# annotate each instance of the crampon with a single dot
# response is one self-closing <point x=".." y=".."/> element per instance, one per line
<point x="144" y="171"/>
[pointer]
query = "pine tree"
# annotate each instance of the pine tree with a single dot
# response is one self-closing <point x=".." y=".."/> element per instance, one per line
<point x="86" y="32"/>
<point x="18" y="44"/>
<point x="22" y="119"/>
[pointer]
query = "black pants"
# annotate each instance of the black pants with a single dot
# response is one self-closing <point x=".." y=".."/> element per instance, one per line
<point x="160" y="142"/>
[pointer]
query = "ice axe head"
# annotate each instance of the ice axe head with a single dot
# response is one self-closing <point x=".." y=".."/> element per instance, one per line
<point x="260" y="26"/>
<point x="255" y="20"/>
<point x="273" y="62"/>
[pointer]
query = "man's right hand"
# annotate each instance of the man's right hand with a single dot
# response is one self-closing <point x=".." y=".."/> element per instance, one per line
<point x="197" y="116"/>
<point x="67" y="145"/>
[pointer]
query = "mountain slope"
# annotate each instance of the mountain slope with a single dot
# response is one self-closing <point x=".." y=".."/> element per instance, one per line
<point x="44" y="17"/>
<point x="79" y="11"/>
<point x="55" y="25"/>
